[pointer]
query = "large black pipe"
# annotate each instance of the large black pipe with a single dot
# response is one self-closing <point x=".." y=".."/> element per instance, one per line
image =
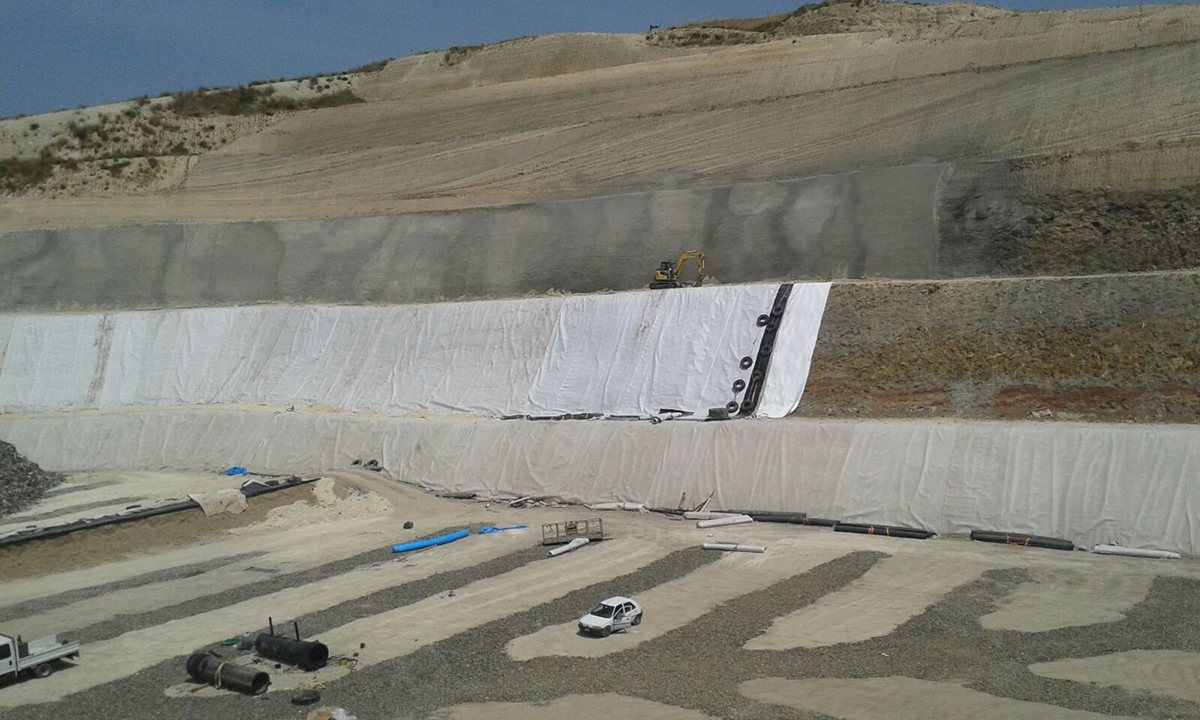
<point x="301" y="653"/>
<point x="1022" y="540"/>
<point x="888" y="530"/>
<point x="821" y="522"/>
<point x="794" y="518"/>
<point x="226" y="675"/>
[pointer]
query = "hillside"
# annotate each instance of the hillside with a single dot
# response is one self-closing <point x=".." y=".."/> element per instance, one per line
<point x="1077" y="100"/>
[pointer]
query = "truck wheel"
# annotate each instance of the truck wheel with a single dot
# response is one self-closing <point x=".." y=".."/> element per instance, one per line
<point x="638" y="620"/>
<point x="606" y="632"/>
<point x="43" y="671"/>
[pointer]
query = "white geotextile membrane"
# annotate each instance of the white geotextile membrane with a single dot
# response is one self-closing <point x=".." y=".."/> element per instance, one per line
<point x="1088" y="482"/>
<point x="622" y="354"/>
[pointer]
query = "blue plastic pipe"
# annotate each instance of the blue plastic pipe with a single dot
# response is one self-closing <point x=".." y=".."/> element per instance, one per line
<point x="431" y="542"/>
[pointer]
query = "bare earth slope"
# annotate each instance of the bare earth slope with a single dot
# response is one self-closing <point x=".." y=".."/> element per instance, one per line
<point x="1073" y="100"/>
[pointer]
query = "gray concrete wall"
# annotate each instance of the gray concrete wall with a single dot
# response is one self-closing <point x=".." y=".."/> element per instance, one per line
<point x="869" y="223"/>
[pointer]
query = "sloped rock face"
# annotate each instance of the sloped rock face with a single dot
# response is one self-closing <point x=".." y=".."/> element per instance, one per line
<point x="22" y="482"/>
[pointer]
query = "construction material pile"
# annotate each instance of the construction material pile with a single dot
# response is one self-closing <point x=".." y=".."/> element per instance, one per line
<point x="22" y="482"/>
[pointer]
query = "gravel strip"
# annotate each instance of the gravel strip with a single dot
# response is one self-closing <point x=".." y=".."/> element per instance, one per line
<point x="32" y="607"/>
<point x="123" y="501"/>
<point x="71" y="487"/>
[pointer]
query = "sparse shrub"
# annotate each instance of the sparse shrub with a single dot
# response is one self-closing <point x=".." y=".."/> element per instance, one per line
<point x="333" y="99"/>
<point x="34" y="126"/>
<point x="179" y="149"/>
<point x="234" y="101"/>
<point x="17" y="175"/>
<point x="458" y="53"/>
<point x="370" y="67"/>
<point x="130" y="112"/>
<point x="152" y="162"/>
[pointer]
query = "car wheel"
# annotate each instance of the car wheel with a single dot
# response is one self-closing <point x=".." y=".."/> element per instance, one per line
<point x="43" y="671"/>
<point x="638" y="620"/>
<point x="606" y="632"/>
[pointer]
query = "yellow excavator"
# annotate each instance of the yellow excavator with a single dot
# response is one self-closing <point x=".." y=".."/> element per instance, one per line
<point x="667" y="274"/>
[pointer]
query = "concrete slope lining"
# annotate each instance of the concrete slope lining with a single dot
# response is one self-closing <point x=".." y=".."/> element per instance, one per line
<point x="877" y="222"/>
<point x="1089" y="482"/>
<point x="622" y="354"/>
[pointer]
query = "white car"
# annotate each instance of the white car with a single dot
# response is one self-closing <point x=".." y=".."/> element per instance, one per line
<point x="615" y="613"/>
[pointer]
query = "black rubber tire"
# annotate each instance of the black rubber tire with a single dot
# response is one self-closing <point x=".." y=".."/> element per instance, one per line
<point x="44" y="670"/>
<point x="739" y="385"/>
<point x="306" y="697"/>
<point x="747" y="362"/>
<point x="638" y="620"/>
<point x="763" y="320"/>
<point x="773" y="326"/>
<point x="606" y="632"/>
<point x="777" y="311"/>
<point x="765" y="349"/>
<point x="731" y="407"/>
<point x="747" y="406"/>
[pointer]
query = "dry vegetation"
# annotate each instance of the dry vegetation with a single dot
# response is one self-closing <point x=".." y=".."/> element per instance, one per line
<point x="821" y="18"/>
<point x="132" y="146"/>
<point x="251" y="100"/>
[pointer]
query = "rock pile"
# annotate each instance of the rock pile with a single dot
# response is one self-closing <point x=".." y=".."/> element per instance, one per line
<point x="22" y="482"/>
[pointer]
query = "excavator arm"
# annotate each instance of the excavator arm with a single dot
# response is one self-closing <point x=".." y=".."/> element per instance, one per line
<point x="699" y="262"/>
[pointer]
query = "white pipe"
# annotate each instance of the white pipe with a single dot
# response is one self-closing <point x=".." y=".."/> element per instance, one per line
<point x="719" y="522"/>
<point x="735" y="547"/>
<point x="576" y="543"/>
<point x="1134" y="552"/>
<point x="635" y="507"/>
<point x="706" y="515"/>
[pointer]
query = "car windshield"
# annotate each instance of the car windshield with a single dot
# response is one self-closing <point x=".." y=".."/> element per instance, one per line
<point x="602" y="610"/>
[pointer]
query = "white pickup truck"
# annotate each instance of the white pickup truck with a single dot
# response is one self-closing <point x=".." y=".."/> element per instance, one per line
<point x="35" y="657"/>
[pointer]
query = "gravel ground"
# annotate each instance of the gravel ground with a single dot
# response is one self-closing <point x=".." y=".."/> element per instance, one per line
<point x="51" y="514"/>
<point x="701" y="665"/>
<point x="32" y="607"/>
<point x="376" y="602"/>
<point x="22" y="482"/>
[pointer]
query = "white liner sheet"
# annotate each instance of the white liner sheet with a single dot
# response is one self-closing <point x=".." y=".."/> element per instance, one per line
<point x="622" y="354"/>
<point x="1088" y="482"/>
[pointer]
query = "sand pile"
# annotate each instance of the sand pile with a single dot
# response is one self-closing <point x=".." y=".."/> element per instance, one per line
<point x="22" y="482"/>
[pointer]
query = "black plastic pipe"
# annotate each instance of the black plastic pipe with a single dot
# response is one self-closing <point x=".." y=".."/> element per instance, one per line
<point x="794" y="518"/>
<point x="821" y="522"/>
<point x="888" y="530"/>
<point x="226" y="675"/>
<point x="1022" y="540"/>
<point x="301" y="653"/>
<point x="252" y="490"/>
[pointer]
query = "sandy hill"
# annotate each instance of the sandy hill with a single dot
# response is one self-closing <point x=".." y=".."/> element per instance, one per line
<point x="1075" y="100"/>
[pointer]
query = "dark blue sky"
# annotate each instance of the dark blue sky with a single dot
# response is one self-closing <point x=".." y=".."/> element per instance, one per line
<point x="57" y="54"/>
